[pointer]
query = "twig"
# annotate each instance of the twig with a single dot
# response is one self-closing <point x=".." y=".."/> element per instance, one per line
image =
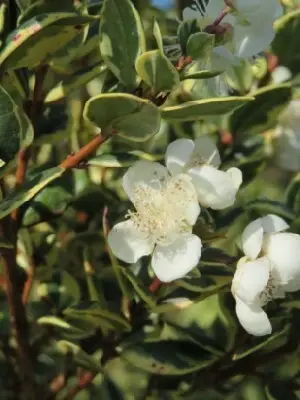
<point x="29" y="281"/>
<point x="73" y="160"/>
<point x="155" y="284"/>
<point x="83" y="382"/>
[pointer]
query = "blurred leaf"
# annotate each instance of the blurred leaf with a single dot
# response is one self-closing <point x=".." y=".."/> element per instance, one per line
<point x="157" y="71"/>
<point x="133" y="118"/>
<point x="200" y="46"/>
<point x="195" y="110"/>
<point x="240" y="78"/>
<point x="284" y="44"/>
<point x="292" y="195"/>
<point x="260" y="114"/>
<point x="120" y="160"/>
<point x="265" y="206"/>
<point x="121" y="39"/>
<point x="81" y="357"/>
<point x="93" y="313"/>
<point x="75" y="81"/>
<point x="37" y="40"/>
<point x="204" y="74"/>
<point x="167" y="357"/>
<point x="45" y="7"/>
<point x="29" y="190"/>
<point x="50" y="202"/>
<point x="279" y="391"/>
<point x="15" y="128"/>
<point x="158" y="37"/>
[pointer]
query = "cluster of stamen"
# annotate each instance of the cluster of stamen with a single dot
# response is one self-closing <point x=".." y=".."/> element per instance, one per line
<point x="161" y="209"/>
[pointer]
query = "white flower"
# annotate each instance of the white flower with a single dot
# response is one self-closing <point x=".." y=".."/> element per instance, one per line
<point x="286" y="138"/>
<point x="271" y="268"/>
<point x="200" y="159"/>
<point x="166" y="208"/>
<point x="252" y="22"/>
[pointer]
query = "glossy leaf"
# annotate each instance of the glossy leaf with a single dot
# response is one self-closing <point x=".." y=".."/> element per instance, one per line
<point x="122" y="41"/>
<point x="157" y="71"/>
<point x="134" y="118"/>
<point x="37" y="40"/>
<point x="195" y="110"/>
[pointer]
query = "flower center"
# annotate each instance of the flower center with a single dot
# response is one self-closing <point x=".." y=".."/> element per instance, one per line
<point x="271" y="291"/>
<point x="161" y="211"/>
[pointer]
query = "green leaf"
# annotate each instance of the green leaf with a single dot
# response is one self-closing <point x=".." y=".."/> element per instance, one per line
<point x="262" y="113"/>
<point x="185" y="30"/>
<point x="50" y="202"/>
<point x="75" y="81"/>
<point x="133" y="118"/>
<point x="157" y="71"/>
<point x="195" y="110"/>
<point x="158" y="37"/>
<point x="280" y="390"/>
<point x="29" y="190"/>
<point x="80" y="356"/>
<point x="265" y="206"/>
<point x="200" y="46"/>
<point x="93" y="313"/>
<point x="167" y="357"/>
<point x="37" y="40"/>
<point x="139" y="288"/>
<point x="284" y="44"/>
<point x="292" y="195"/>
<point x="204" y="74"/>
<point x="121" y="39"/>
<point x="120" y="160"/>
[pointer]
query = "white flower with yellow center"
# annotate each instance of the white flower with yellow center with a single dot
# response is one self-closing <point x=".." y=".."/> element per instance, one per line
<point x="271" y="268"/>
<point x="200" y="160"/>
<point x="166" y="208"/>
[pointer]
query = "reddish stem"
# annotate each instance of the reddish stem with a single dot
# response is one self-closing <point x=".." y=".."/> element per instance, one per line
<point x="153" y="287"/>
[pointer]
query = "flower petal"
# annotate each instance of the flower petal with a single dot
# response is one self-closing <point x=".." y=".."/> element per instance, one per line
<point x="127" y="243"/>
<point x="214" y="188"/>
<point x="252" y="239"/>
<point x="272" y="223"/>
<point x="146" y="173"/>
<point x="206" y="151"/>
<point x="250" y="279"/>
<point x="282" y="249"/>
<point x="178" y="154"/>
<point x="236" y="176"/>
<point x="222" y="59"/>
<point x="253" y="318"/>
<point x="178" y="259"/>
<point x="251" y="40"/>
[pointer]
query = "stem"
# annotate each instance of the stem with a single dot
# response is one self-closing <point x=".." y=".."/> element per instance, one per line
<point x="83" y="382"/>
<point x="73" y="160"/>
<point x="17" y="314"/>
<point x="153" y="287"/>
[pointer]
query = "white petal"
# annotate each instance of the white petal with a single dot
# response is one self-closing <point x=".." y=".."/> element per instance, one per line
<point x="250" y="40"/>
<point x="178" y="154"/>
<point x="281" y="74"/>
<point x="178" y="259"/>
<point x="282" y="249"/>
<point x="127" y="243"/>
<point x="206" y="151"/>
<point x="236" y="176"/>
<point x="144" y="172"/>
<point x="214" y="9"/>
<point x="252" y="239"/>
<point x="222" y="59"/>
<point x="272" y="223"/>
<point x="253" y="319"/>
<point x="292" y="286"/>
<point x="250" y="279"/>
<point x="214" y="188"/>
